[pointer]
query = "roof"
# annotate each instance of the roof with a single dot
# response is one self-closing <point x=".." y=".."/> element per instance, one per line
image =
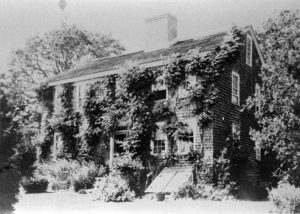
<point x="111" y="63"/>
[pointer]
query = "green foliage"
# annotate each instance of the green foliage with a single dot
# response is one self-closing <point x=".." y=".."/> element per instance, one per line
<point x="48" y="138"/>
<point x="202" y="191"/>
<point x="79" y="175"/>
<point x="9" y="174"/>
<point x="208" y="67"/>
<point x="285" y="198"/>
<point x="113" y="188"/>
<point x="34" y="185"/>
<point x="45" y="95"/>
<point x="228" y="166"/>
<point x="84" y="177"/>
<point x="100" y="111"/>
<point x="135" y="93"/>
<point x="276" y="106"/>
<point x="54" y="52"/>
<point x="131" y="169"/>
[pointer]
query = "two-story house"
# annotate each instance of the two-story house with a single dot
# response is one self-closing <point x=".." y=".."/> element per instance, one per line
<point x="236" y="84"/>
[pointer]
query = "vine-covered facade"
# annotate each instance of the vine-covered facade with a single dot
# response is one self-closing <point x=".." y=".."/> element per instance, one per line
<point x="167" y="103"/>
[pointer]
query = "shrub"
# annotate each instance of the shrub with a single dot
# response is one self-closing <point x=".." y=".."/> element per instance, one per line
<point x="34" y="185"/>
<point x="131" y="169"/>
<point x="84" y="177"/>
<point x="80" y="175"/>
<point x="187" y="191"/>
<point x="113" y="188"/>
<point x="202" y="191"/>
<point x="286" y="198"/>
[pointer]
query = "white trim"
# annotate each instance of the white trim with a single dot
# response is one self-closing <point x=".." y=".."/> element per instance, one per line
<point x="99" y="73"/>
<point x="238" y="93"/>
<point x="251" y="30"/>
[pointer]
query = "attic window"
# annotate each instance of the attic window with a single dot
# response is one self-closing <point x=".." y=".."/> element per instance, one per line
<point x="249" y="50"/>
<point x="257" y="94"/>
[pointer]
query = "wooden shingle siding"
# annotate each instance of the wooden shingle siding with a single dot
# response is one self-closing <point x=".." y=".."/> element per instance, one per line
<point x="226" y="113"/>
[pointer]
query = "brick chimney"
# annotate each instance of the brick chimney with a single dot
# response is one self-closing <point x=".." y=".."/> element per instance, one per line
<point x="161" y="32"/>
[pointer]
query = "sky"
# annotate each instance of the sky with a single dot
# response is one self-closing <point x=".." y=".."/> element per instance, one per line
<point x="124" y="19"/>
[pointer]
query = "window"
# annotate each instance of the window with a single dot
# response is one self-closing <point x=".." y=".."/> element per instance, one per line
<point x="257" y="94"/>
<point x="182" y="91"/>
<point x="235" y="88"/>
<point x="257" y="149"/>
<point x="159" y="147"/>
<point x="160" y="91"/>
<point x="58" y="143"/>
<point x="80" y="96"/>
<point x="236" y="131"/>
<point x="249" y="50"/>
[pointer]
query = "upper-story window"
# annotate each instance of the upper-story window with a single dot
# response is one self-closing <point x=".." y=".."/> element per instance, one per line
<point x="249" y="50"/>
<point x="160" y="91"/>
<point x="57" y="100"/>
<point x="80" y="96"/>
<point x="182" y="91"/>
<point x="257" y="94"/>
<point x="235" y="98"/>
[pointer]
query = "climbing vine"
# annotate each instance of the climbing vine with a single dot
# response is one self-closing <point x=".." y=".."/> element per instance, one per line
<point x="204" y="92"/>
<point x="100" y="111"/>
<point x="67" y="123"/>
<point x="130" y="95"/>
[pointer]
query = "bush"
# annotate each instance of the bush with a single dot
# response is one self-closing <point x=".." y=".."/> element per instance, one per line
<point x="113" y="188"/>
<point x="34" y="185"/>
<point x="84" y="177"/>
<point x="202" y="191"/>
<point x="131" y="170"/>
<point x="79" y="175"/>
<point x="286" y="198"/>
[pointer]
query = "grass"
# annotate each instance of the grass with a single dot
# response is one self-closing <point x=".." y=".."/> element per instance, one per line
<point x="70" y="202"/>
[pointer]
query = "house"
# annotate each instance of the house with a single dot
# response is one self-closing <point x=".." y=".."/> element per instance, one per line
<point x="238" y="81"/>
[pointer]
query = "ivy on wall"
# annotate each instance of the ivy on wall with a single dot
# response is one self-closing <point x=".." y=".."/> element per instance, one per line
<point x="208" y="67"/>
<point x="130" y="95"/>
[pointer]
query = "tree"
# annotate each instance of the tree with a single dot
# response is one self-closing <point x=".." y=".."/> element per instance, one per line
<point x="52" y="53"/>
<point x="9" y="174"/>
<point x="276" y="104"/>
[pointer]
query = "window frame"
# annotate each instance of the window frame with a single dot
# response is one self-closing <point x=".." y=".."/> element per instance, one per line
<point x="159" y="135"/>
<point x="237" y="95"/>
<point x="58" y="143"/>
<point x="182" y="91"/>
<point x="249" y="50"/>
<point x="236" y="128"/>
<point x="257" y="94"/>
<point x="163" y="145"/>
<point x="160" y="87"/>
<point x="80" y="95"/>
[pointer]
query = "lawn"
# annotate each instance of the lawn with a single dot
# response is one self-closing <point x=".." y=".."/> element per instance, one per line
<point x="69" y="202"/>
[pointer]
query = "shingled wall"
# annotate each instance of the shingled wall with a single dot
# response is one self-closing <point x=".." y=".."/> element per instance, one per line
<point x="226" y="113"/>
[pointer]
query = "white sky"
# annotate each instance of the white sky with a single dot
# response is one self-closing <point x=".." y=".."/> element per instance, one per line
<point x="124" y="19"/>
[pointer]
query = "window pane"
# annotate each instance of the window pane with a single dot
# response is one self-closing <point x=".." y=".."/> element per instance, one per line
<point x="160" y="95"/>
